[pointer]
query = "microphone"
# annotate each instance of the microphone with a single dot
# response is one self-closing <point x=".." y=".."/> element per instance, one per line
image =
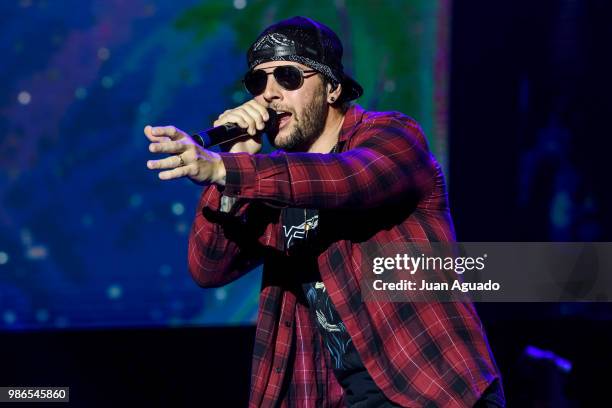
<point x="230" y="131"/>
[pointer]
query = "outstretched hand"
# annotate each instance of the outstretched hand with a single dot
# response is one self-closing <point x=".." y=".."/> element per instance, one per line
<point x="187" y="158"/>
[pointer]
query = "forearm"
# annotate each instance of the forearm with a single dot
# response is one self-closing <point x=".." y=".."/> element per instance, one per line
<point x="379" y="170"/>
<point x="224" y="245"/>
<point x="210" y="253"/>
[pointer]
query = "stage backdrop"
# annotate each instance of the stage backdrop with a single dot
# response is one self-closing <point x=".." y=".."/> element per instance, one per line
<point x="88" y="236"/>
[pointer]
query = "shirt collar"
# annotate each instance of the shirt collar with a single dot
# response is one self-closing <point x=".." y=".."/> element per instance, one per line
<point x="352" y="119"/>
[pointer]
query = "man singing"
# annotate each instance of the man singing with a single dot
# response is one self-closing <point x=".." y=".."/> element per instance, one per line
<point x="341" y="178"/>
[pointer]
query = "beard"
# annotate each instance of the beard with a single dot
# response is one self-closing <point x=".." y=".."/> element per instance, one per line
<point x="309" y="126"/>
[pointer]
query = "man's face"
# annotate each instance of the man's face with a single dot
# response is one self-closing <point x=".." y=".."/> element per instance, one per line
<point x="305" y="109"/>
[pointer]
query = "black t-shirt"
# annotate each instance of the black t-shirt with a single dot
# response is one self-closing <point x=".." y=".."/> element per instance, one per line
<point x="300" y="228"/>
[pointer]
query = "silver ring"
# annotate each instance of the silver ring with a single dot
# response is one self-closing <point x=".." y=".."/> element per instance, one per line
<point x="182" y="163"/>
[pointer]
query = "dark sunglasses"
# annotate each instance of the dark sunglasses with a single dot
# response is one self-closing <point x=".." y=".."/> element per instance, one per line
<point x="289" y="77"/>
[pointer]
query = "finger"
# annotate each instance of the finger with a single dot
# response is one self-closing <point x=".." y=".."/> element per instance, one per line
<point x="168" y="131"/>
<point x="167" y="147"/>
<point x="232" y="118"/>
<point x="167" y="163"/>
<point x="252" y="129"/>
<point x="171" y="162"/>
<point x="227" y="117"/>
<point x="256" y="115"/>
<point x="260" y="108"/>
<point x="174" y="173"/>
<point x="148" y="131"/>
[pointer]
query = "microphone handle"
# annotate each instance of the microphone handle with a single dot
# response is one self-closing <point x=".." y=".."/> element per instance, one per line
<point x="229" y="132"/>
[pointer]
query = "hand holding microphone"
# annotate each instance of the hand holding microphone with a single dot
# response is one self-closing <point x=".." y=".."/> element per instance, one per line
<point x="235" y="125"/>
<point x="190" y="156"/>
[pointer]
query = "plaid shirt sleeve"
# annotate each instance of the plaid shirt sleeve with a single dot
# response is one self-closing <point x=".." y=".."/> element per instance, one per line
<point x="388" y="161"/>
<point x="224" y="246"/>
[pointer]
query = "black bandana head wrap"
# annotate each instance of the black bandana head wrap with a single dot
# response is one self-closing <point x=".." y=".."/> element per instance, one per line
<point x="303" y="40"/>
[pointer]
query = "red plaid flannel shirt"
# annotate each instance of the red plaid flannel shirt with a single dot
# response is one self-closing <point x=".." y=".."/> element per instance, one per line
<point x="419" y="354"/>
